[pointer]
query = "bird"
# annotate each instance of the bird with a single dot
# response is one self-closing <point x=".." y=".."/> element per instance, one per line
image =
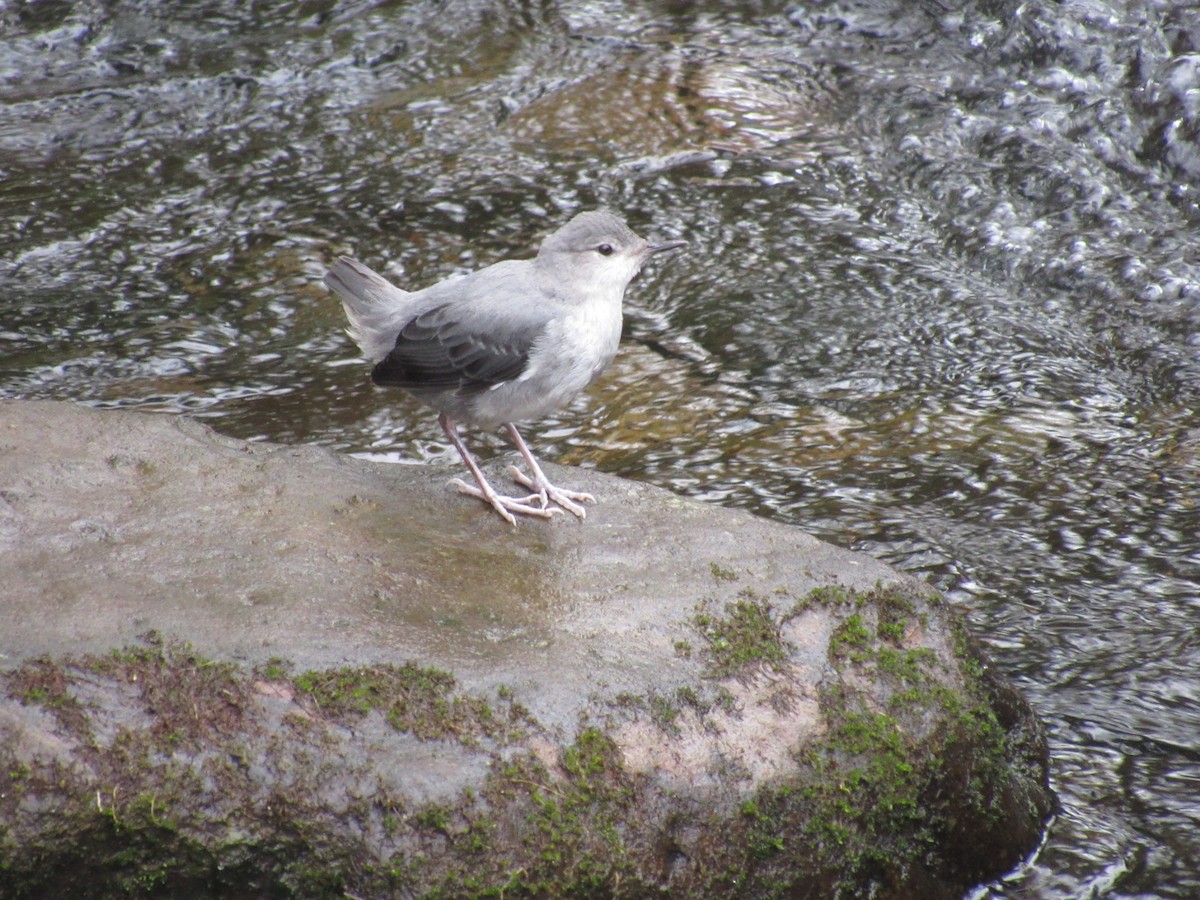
<point x="508" y="343"/>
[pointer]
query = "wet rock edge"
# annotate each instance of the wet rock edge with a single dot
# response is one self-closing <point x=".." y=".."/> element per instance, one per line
<point x="155" y="771"/>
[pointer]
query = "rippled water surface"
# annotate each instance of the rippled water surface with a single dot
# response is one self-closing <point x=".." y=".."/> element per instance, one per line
<point x="942" y="300"/>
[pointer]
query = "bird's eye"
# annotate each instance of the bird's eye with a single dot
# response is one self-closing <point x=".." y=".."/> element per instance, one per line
<point x="605" y="250"/>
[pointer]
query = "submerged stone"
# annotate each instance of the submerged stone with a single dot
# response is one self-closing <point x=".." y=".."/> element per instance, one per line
<point x="240" y="669"/>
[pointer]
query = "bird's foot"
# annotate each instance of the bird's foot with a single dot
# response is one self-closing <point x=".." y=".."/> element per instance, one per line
<point x="506" y="506"/>
<point x="544" y="491"/>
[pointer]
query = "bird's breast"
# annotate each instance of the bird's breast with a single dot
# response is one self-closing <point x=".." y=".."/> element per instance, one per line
<point x="594" y="334"/>
<point x="570" y="353"/>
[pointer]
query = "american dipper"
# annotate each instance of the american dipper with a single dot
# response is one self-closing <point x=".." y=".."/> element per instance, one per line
<point x="510" y="342"/>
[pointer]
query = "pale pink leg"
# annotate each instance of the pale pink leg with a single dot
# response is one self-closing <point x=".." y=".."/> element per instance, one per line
<point x="541" y="485"/>
<point x="505" y="506"/>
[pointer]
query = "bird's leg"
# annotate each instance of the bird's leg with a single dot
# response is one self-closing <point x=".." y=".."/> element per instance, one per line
<point x="505" y="506"/>
<point x="568" y="500"/>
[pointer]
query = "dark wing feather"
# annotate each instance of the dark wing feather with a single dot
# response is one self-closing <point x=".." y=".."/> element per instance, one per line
<point x="436" y="351"/>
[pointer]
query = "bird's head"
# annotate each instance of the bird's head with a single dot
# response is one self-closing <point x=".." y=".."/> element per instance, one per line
<point x="598" y="252"/>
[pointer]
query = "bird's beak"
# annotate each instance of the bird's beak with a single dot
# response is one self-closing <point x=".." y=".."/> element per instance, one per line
<point x="664" y="247"/>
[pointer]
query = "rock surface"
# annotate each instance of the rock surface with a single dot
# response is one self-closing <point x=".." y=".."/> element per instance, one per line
<point x="238" y="669"/>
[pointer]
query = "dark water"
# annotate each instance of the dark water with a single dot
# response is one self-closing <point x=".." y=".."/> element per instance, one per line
<point x="942" y="302"/>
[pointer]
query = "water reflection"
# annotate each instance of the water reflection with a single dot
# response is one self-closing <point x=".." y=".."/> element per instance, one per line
<point x="941" y="302"/>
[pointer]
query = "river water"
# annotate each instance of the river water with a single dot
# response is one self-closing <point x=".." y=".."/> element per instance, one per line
<point x="941" y="304"/>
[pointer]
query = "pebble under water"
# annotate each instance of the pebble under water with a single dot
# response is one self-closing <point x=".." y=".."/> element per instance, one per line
<point x="941" y="301"/>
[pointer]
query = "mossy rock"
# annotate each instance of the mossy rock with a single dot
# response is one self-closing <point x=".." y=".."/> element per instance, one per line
<point x="153" y="771"/>
<point x="374" y="687"/>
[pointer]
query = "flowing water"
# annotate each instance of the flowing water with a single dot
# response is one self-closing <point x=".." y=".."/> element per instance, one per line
<point x="942" y="300"/>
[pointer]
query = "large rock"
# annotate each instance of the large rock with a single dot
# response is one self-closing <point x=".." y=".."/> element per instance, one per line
<point x="240" y="669"/>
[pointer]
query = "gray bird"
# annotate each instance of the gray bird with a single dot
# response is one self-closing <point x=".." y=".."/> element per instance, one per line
<point x="510" y="342"/>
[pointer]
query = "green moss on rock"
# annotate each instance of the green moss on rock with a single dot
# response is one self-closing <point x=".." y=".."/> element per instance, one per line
<point x="747" y="632"/>
<point x="412" y="698"/>
<point x="873" y="809"/>
<point x="193" y="793"/>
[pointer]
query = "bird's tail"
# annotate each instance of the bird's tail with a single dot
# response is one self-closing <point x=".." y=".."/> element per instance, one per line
<point x="375" y="308"/>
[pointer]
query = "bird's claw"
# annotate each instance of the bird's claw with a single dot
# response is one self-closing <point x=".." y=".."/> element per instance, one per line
<point x="545" y="492"/>
<point x="506" y="506"/>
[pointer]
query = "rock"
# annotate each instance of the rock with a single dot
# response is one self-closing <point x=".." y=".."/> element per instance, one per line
<point x="242" y="670"/>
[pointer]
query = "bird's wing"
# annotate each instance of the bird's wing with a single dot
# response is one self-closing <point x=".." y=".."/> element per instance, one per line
<point x="441" y="349"/>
